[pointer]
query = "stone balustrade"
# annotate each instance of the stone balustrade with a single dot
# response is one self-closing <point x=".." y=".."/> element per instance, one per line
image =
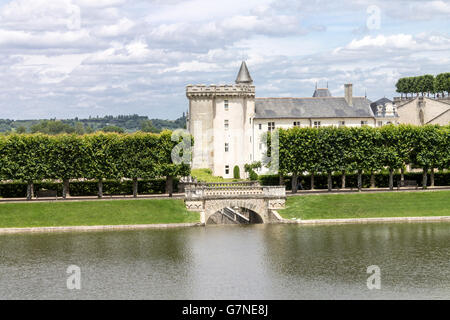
<point x="210" y="198"/>
<point x="229" y="190"/>
<point x="220" y="90"/>
<point x="402" y="99"/>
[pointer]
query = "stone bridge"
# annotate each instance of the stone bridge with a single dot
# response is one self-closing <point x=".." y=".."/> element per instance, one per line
<point x="212" y="198"/>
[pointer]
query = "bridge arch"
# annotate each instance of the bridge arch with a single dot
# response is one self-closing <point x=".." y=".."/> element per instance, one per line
<point x="209" y="198"/>
<point x="257" y="207"/>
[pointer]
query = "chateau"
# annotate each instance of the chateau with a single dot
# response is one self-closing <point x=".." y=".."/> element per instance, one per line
<point x="228" y="121"/>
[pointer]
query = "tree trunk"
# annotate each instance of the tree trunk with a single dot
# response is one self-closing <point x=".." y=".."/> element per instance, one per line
<point x="30" y="190"/>
<point x="372" y="179"/>
<point x="402" y="174"/>
<point x="100" y="188"/>
<point x="294" y="182"/>
<point x="66" y="191"/>
<point x="312" y="180"/>
<point x="135" y="187"/>
<point x="343" y="179"/>
<point x="359" y="180"/>
<point x="432" y="177"/>
<point x="280" y="179"/>
<point x="424" y="178"/>
<point x="169" y="185"/>
<point x="330" y="182"/>
<point x="391" y="179"/>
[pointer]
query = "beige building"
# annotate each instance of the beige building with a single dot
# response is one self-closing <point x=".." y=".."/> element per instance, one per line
<point x="227" y="121"/>
<point x="423" y="110"/>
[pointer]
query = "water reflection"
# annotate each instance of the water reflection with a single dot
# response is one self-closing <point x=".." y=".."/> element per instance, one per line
<point x="123" y="264"/>
<point x="332" y="260"/>
<point x="231" y="262"/>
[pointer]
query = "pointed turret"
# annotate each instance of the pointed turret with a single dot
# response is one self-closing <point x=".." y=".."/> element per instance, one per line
<point x="243" y="76"/>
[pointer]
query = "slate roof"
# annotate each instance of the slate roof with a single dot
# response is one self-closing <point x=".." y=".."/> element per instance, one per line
<point x="322" y="92"/>
<point x="329" y="107"/>
<point x="244" y="75"/>
<point x="381" y="101"/>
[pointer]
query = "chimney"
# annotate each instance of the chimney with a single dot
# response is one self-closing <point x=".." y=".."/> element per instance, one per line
<point x="348" y="88"/>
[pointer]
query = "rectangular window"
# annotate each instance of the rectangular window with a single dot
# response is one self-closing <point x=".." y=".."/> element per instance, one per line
<point x="271" y="126"/>
<point x="227" y="147"/>
<point x="380" y="123"/>
<point x="363" y="123"/>
<point x="316" y="124"/>
<point x="225" y="105"/>
<point x="260" y="146"/>
<point x="296" y="123"/>
<point x="250" y="120"/>
<point x="225" y="123"/>
<point x="227" y="169"/>
<point x="342" y="123"/>
<point x="260" y="126"/>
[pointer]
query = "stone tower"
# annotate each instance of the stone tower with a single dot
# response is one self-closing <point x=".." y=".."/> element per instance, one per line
<point x="221" y="120"/>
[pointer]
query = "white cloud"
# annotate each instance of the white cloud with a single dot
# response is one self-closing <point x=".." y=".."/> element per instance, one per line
<point x="48" y="39"/>
<point x="48" y="69"/>
<point x="388" y="43"/>
<point x="137" y="56"/>
<point x="122" y="27"/>
<point x="98" y="3"/>
<point x="194" y="66"/>
<point x="400" y="41"/>
<point x="40" y="15"/>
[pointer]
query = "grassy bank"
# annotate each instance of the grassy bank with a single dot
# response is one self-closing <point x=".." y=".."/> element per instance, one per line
<point x="205" y="175"/>
<point x="369" y="205"/>
<point x="89" y="213"/>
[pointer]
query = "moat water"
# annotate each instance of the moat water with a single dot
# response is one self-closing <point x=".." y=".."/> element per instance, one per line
<point x="231" y="262"/>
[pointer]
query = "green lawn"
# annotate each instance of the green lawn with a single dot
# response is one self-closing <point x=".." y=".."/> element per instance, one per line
<point x="369" y="205"/>
<point x="205" y="175"/>
<point x="88" y="213"/>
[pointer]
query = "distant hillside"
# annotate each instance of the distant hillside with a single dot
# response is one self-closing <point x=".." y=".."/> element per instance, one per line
<point x="121" y="123"/>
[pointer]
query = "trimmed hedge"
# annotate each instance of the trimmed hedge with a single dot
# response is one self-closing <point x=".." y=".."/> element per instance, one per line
<point x="32" y="158"/>
<point x="381" y="180"/>
<point x="88" y="188"/>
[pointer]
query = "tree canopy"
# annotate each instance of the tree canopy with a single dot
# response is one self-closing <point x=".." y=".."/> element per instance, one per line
<point x="425" y="84"/>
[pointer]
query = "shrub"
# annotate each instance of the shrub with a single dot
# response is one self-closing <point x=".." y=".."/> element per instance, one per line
<point x="236" y="173"/>
<point x="88" y="188"/>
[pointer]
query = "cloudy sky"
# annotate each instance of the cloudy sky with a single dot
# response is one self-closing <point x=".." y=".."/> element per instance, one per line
<point x="68" y="58"/>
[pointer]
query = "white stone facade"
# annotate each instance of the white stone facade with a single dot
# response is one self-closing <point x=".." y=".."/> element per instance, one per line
<point x="227" y="129"/>
<point x="220" y="121"/>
